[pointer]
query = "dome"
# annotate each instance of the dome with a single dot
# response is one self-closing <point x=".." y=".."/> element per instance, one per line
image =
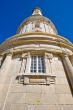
<point x="37" y="23"/>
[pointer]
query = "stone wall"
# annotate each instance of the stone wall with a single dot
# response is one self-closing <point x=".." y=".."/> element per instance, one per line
<point x="16" y="96"/>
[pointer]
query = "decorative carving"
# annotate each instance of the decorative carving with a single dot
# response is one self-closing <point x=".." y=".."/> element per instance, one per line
<point x="36" y="79"/>
<point x="50" y="80"/>
<point x="24" y="55"/>
<point x="49" y="55"/>
<point x="23" y="59"/>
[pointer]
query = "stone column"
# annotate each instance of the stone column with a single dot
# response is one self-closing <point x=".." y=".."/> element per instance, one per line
<point x="4" y="79"/>
<point x="71" y="59"/>
<point x="6" y="64"/>
<point x="69" y="69"/>
<point x="1" y="57"/>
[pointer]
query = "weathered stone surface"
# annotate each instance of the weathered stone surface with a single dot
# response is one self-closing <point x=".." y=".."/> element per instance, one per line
<point x="16" y="98"/>
<point x="6" y="107"/>
<point x="61" y="80"/>
<point x="48" y="99"/>
<point x="32" y="98"/>
<point x="36" y="97"/>
<point x="62" y="89"/>
<point x="20" y="88"/>
<point x="68" y="107"/>
<point x="65" y="99"/>
<point x="48" y="107"/>
<point x="1" y="106"/>
<point x="33" y="89"/>
<point x="19" y="107"/>
<point x="48" y="89"/>
<point x="31" y="107"/>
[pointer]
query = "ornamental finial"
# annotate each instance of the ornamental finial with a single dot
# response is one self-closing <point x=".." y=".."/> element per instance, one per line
<point x="37" y="11"/>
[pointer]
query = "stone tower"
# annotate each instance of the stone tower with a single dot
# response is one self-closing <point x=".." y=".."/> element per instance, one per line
<point x="36" y="67"/>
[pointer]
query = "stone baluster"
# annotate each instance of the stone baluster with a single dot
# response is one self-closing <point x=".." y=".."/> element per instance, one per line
<point x="69" y="69"/>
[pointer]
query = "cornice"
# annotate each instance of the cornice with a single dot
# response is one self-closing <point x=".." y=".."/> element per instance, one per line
<point x="40" y="33"/>
<point x="36" y="38"/>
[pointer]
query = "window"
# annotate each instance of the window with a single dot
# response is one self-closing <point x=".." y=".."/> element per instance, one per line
<point x="37" y="64"/>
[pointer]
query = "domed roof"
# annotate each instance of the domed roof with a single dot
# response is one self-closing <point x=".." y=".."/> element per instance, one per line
<point x="37" y="23"/>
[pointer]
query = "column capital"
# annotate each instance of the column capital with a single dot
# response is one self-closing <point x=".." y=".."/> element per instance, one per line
<point x="24" y="55"/>
<point x="9" y="54"/>
<point x="63" y="55"/>
<point x="71" y="56"/>
<point x="1" y="56"/>
<point x="49" y="55"/>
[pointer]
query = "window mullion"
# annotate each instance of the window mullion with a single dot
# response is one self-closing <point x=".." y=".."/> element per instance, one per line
<point x="37" y="63"/>
<point x="41" y="64"/>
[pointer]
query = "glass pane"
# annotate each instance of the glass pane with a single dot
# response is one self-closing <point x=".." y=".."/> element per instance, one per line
<point x="33" y="64"/>
<point x="41" y="65"/>
<point x="37" y="64"/>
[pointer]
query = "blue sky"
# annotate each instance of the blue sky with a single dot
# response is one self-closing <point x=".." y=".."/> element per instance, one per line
<point x="13" y="12"/>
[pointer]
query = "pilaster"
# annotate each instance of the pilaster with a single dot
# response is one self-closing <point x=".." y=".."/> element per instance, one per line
<point x="28" y="63"/>
<point x="48" y="58"/>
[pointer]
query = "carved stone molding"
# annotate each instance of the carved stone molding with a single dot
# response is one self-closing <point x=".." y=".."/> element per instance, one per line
<point x="9" y="54"/>
<point x="20" y="39"/>
<point x="49" y="55"/>
<point x="36" y="79"/>
<point x="24" y="55"/>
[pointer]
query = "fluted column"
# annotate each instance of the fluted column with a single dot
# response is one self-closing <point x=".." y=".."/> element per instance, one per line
<point x="6" y="64"/>
<point x="69" y="69"/>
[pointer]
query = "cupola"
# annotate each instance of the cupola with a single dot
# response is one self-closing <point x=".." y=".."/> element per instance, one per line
<point x="37" y="23"/>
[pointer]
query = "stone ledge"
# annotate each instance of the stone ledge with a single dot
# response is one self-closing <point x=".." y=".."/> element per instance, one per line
<point x="36" y="79"/>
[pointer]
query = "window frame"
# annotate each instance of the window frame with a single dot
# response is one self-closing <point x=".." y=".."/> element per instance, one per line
<point x="39" y="61"/>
